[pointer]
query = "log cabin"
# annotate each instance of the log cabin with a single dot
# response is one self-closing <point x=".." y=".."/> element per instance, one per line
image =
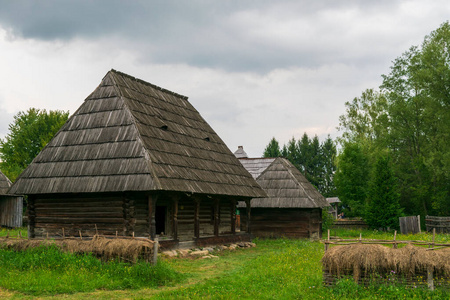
<point x="11" y="206"/>
<point x="137" y="159"/>
<point x="293" y="207"/>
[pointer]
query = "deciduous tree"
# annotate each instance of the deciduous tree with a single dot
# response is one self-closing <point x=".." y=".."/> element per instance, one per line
<point x="28" y="134"/>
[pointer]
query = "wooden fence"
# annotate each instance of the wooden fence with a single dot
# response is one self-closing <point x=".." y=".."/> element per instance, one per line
<point x="350" y="224"/>
<point x="11" y="211"/>
<point x="439" y="224"/>
<point x="410" y="224"/>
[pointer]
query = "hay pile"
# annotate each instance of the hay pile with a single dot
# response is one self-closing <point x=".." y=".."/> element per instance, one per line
<point x="378" y="259"/>
<point x="103" y="248"/>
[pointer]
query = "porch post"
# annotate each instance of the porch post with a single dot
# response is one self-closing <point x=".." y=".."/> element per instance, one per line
<point x="216" y="216"/>
<point x="247" y="203"/>
<point x="151" y="215"/>
<point x="175" y="218"/>
<point x="233" y="216"/>
<point x="197" y="218"/>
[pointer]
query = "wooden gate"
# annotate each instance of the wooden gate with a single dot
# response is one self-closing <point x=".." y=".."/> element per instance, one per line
<point x="410" y="224"/>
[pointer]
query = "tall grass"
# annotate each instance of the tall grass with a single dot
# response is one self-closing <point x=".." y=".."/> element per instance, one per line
<point x="47" y="270"/>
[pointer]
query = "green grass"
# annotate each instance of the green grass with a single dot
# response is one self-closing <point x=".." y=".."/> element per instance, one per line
<point x="46" y="271"/>
<point x="383" y="235"/>
<point x="13" y="232"/>
<point x="275" y="269"/>
<point x="288" y="269"/>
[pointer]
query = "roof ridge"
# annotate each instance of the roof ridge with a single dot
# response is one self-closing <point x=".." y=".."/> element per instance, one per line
<point x="138" y="135"/>
<point x="147" y="83"/>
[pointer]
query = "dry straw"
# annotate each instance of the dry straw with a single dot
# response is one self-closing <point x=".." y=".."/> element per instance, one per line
<point x="103" y="248"/>
<point x="357" y="258"/>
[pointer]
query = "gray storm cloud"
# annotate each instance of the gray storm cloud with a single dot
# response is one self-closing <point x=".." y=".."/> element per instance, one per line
<point x="230" y="35"/>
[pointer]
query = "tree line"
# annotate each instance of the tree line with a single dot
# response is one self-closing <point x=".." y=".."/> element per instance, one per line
<point x="394" y="156"/>
<point x="404" y="125"/>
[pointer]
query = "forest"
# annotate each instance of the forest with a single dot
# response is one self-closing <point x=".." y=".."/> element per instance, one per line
<point x="393" y="154"/>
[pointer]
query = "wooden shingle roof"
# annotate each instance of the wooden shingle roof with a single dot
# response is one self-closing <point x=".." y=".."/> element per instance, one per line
<point x="5" y="184"/>
<point x="255" y="166"/>
<point x="285" y="185"/>
<point x="130" y="135"/>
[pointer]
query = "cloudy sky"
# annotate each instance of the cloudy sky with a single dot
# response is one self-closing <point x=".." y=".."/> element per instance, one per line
<point x="253" y="69"/>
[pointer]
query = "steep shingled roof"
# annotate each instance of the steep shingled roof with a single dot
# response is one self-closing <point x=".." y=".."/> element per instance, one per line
<point x="130" y="135"/>
<point x="5" y="184"/>
<point x="285" y="185"/>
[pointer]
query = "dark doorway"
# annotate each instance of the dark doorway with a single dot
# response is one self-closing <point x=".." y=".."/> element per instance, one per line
<point x="160" y="219"/>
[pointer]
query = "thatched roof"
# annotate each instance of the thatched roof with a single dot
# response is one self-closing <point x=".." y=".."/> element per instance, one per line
<point x="5" y="184"/>
<point x="283" y="182"/>
<point x="130" y="135"/>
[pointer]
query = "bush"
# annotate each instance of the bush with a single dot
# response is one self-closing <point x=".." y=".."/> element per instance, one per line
<point x="327" y="220"/>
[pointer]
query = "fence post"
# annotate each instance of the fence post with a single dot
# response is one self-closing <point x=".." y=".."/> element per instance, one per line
<point x="430" y="278"/>
<point x="434" y="235"/>
<point x="155" y="251"/>
<point x="395" y="236"/>
<point x="418" y="223"/>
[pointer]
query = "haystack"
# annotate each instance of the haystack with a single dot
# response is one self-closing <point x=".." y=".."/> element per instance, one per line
<point x="129" y="250"/>
<point x="364" y="262"/>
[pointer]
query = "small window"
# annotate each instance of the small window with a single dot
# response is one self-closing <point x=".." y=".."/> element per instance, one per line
<point x="164" y="127"/>
<point x="207" y="138"/>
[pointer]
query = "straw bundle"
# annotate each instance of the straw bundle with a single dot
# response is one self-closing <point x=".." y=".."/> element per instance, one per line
<point x="384" y="261"/>
<point x="103" y="248"/>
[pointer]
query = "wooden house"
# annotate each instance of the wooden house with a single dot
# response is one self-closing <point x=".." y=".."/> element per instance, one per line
<point x="136" y="159"/>
<point x="11" y="206"/>
<point x="293" y="207"/>
<point x="333" y="209"/>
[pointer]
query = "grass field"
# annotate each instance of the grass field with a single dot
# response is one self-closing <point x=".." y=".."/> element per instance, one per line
<point x="275" y="269"/>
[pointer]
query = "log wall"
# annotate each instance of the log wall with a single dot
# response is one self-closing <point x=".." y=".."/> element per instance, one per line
<point x="11" y="211"/>
<point x="122" y="213"/>
<point x="74" y="214"/>
<point x="186" y="218"/>
<point x="284" y="222"/>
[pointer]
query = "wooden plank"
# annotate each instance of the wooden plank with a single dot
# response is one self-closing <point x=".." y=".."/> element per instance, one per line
<point x="76" y="204"/>
<point x="70" y="220"/>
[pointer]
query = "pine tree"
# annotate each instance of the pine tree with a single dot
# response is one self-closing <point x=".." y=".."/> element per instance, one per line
<point x="383" y="200"/>
<point x="273" y="149"/>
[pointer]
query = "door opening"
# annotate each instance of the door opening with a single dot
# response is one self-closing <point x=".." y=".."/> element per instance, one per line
<point x="160" y="219"/>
